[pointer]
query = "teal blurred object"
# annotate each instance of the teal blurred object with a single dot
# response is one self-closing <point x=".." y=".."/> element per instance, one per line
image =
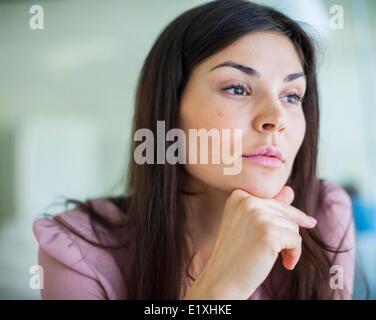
<point x="364" y="212"/>
<point x="364" y="215"/>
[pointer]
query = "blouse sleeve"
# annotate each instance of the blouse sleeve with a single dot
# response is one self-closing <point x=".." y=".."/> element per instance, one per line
<point x="64" y="283"/>
<point x="78" y="264"/>
<point x="66" y="275"/>
<point x="338" y="230"/>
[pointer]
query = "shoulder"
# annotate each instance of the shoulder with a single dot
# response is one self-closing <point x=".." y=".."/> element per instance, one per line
<point x="336" y="223"/>
<point x="333" y="194"/>
<point x="335" y="208"/>
<point x="49" y="230"/>
<point x="62" y="245"/>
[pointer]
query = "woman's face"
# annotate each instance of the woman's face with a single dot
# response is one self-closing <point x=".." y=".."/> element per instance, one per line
<point x="262" y="103"/>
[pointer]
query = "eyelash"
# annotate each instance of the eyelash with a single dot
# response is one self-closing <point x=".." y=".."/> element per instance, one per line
<point x="297" y="96"/>
<point x="241" y="85"/>
<point x="236" y="86"/>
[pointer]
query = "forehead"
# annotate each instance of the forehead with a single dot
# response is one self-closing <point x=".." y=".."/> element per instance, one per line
<point x="271" y="53"/>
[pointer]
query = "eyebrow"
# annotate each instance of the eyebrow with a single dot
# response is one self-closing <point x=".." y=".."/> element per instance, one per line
<point x="252" y="72"/>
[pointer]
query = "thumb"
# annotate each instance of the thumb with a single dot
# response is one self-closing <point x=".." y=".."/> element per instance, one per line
<point x="286" y="194"/>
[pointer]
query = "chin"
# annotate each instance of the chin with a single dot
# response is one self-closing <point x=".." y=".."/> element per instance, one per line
<point x="261" y="186"/>
<point x="261" y="183"/>
<point x="261" y="190"/>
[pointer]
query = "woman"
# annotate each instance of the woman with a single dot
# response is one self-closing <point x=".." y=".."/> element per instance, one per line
<point x="188" y="230"/>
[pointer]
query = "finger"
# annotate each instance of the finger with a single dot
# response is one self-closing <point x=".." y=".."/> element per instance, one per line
<point x="282" y="221"/>
<point x="279" y="220"/>
<point x="277" y="210"/>
<point x="239" y="193"/>
<point x="292" y="245"/>
<point x="293" y="213"/>
<point x="286" y="194"/>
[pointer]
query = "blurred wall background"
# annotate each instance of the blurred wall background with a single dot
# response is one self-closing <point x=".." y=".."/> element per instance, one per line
<point x="66" y="105"/>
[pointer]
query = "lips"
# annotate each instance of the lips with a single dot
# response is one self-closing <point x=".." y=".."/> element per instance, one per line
<point x="265" y="161"/>
<point x="267" y="151"/>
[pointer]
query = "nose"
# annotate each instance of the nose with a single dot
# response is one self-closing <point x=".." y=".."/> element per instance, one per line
<point x="271" y="116"/>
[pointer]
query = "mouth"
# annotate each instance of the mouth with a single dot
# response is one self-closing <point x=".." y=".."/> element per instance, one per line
<point x="267" y="156"/>
<point x="265" y="160"/>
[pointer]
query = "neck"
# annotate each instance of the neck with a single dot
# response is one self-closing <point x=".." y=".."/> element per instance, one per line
<point x="203" y="217"/>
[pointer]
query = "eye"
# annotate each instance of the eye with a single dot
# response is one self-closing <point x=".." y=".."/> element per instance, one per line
<point x="238" y="88"/>
<point x="294" y="98"/>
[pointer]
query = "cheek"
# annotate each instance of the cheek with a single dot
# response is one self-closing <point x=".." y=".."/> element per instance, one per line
<point x="210" y="174"/>
<point x="296" y="136"/>
<point x="208" y="117"/>
<point x="302" y="130"/>
<point x="203" y="108"/>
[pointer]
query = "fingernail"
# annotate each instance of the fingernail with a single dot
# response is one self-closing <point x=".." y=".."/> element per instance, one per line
<point x="312" y="220"/>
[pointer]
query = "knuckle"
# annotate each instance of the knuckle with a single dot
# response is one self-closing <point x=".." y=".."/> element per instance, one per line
<point x="259" y="218"/>
<point x="299" y="238"/>
<point x="247" y="202"/>
<point x="239" y="194"/>
<point x="284" y="204"/>
<point x="233" y="196"/>
<point x="267" y="234"/>
<point x="236" y="193"/>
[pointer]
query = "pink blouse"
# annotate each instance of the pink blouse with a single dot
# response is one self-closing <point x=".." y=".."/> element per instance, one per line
<point x="75" y="269"/>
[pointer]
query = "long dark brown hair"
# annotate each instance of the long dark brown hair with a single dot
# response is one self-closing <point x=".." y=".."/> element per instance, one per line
<point x="153" y="198"/>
